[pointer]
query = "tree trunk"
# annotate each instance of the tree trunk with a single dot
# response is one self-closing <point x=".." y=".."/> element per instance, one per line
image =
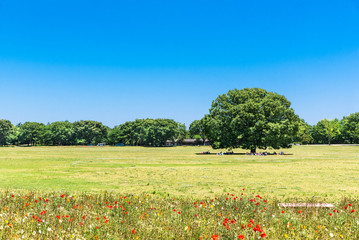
<point x="253" y="150"/>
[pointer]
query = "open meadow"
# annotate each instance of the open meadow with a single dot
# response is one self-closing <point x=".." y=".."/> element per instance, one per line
<point x="177" y="193"/>
<point x="305" y="171"/>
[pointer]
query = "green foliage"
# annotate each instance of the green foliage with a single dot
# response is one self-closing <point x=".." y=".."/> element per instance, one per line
<point x="182" y="132"/>
<point x="251" y="118"/>
<point x="60" y="133"/>
<point x="114" y="136"/>
<point x="31" y="133"/>
<point x="13" y="136"/>
<point x="350" y="128"/>
<point x="327" y="131"/>
<point x="147" y="132"/>
<point x="197" y="128"/>
<point x="304" y="135"/>
<point x="90" y="132"/>
<point x="5" y="130"/>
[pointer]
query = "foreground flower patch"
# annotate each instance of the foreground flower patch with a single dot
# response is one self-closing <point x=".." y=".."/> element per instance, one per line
<point x="240" y="215"/>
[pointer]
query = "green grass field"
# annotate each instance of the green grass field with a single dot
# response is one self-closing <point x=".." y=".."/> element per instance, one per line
<point x="177" y="193"/>
<point x="306" y="171"/>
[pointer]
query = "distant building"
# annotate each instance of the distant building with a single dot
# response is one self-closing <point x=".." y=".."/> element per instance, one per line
<point x="187" y="142"/>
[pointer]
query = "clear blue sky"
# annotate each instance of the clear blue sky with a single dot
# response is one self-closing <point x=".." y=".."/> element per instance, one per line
<point x="115" y="61"/>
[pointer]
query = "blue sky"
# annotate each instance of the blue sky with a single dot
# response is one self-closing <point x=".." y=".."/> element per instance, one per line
<point x="115" y="61"/>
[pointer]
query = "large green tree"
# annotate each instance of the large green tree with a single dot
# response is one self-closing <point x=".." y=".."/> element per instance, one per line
<point x="350" y="128"/>
<point x="251" y="118"/>
<point x="5" y="130"/>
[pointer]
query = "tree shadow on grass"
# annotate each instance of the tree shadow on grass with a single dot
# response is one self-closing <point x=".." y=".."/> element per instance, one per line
<point x="270" y="154"/>
<point x="204" y="154"/>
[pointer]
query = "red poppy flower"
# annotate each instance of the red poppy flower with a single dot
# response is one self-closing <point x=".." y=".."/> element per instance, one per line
<point x="241" y="237"/>
<point x="133" y="231"/>
<point x="215" y="237"/>
<point x="263" y="235"/>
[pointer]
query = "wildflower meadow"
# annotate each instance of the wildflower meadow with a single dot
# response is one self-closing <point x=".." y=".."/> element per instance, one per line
<point x="177" y="193"/>
<point x="241" y="215"/>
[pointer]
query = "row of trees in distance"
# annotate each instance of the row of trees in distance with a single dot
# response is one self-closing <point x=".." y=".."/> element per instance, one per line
<point x="250" y="118"/>
<point x="144" y="132"/>
<point x="155" y="132"/>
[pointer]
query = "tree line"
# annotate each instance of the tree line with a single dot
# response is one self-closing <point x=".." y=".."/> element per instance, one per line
<point x="155" y="132"/>
<point x="141" y="132"/>
<point x="330" y="131"/>
<point x="250" y="118"/>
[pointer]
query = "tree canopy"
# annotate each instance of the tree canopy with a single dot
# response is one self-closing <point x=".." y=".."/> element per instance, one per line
<point x="251" y="118"/>
<point x="350" y="128"/>
<point x="147" y="132"/>
<point x="31" y="133"/>
<point x="197" y="128"/>
<point x="90" y="132"/>
<point x="5" y="130"/>
<point x="327" y="131"/>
